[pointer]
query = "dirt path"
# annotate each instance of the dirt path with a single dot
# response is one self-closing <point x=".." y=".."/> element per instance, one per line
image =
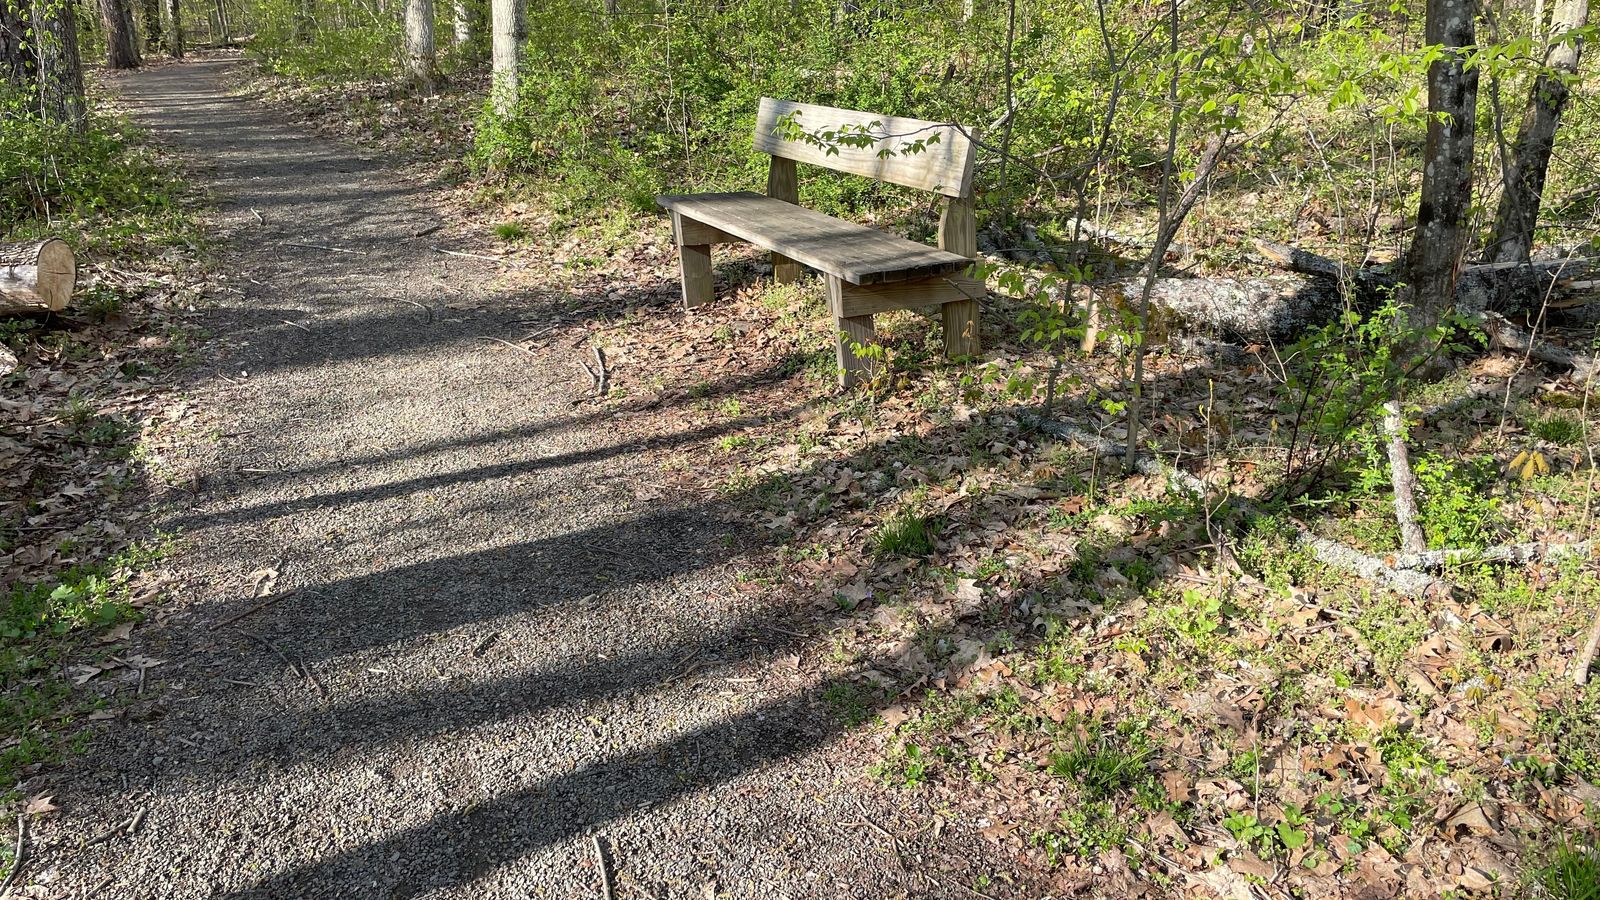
<point x="506" y="651"/>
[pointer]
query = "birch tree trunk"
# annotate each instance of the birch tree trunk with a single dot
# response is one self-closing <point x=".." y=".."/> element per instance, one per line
<point x="60" y="70"/>
<point x="422" y="68"/>
<point x="122" y="46"/>
<point x="509" y="30"/>
<point x="469" y="27"/>
<point x="1512" y="238"/>
<point x="1441" y="233"/>
<point x="175" y="29"/>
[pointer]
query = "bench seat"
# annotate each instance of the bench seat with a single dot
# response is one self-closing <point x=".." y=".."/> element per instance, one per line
<point x="856" y="253"/>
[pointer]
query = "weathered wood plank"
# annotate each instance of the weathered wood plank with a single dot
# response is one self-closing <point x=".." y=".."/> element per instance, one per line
<point x="698" y="286"/>
<point x="958" y="227"/>
<point x="961" y="329"/>
<point x="856" y="253"/>
<point x="688" y="231"/>
<point x="944" y="166"/>
<point x="850" y="332"/>
<point x="783" y="183"/>
<point x="865" y="300"/>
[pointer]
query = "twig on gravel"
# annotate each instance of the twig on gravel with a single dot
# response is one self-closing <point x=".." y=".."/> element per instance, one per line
<point x="329" y="249"/>
<point x="594" y="377"/>
<point x="602" y="381"/>
<point x="509" y="344"/>
<point x="495" y="260"/>
<point x="424" y="308"/>
<point x="606" y="889"/>
<point x="540" y="333"/>
<point x="259" y="220"/>
<point x="137" y="820"/>
<point x="297" y="325"/>
<point x="271" y="599"/>
<point x="424" y="232"/>
<point x="1580" y="674"/>
<point x="485" y="644"/>
<point x="298" y="668"/>
<point x="17" y="859"/>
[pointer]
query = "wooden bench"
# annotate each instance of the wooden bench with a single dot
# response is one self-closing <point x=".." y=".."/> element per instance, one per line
<point x="868" y="271"/>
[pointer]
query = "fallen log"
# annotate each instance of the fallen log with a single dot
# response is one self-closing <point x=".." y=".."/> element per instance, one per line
<point x="38" y="279"/>
<point x="1280" y="307"/>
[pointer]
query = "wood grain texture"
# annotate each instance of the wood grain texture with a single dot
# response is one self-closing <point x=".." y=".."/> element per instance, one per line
<point x="864" y="300"/>
<point x="41" y="277"/>
<point x="695" y="262"/>
<point x="850" y="331"/>
<point x="961" y="329"/>
<point x="944" y="167"/>
<point x="783" y="183"/>
<point x="856" y="253"/>
<point x="688" y="231"/>
<point x="958" y="227"/>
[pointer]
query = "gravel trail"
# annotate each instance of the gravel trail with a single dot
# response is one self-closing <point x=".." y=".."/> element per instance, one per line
<point x="489" y="650"/>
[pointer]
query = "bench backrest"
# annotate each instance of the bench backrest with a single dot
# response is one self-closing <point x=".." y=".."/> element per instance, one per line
<point x="943" y="166"/>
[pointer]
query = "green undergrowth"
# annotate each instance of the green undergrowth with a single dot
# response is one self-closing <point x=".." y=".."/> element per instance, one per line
<point x="43" y="626"/>
<point x="102" y="190"/>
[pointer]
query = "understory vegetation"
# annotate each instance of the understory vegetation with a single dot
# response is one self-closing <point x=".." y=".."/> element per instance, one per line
<point x="1141" y="613"/>
<point x="86" y="412"/>
<point x="1122" y="681"/>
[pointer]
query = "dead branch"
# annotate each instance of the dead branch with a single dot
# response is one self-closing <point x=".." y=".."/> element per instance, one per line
<point x="1404" y="581"/>
<point x="1404" y="483"/>
<point x="1505" y="336"/>
<point x="325" y="248"/>
<point x="20" y="856"/>
<point x="1507" y="553"/>
<point x="607" y="891"/>
<point x="1580" y="672"/>
<point x="602" y="378"/>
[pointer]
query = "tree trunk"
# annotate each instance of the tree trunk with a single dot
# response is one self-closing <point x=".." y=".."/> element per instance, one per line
<point x="122" y="45"/>
<point x="224" y="28"/>
<point x="16" y="57"/>
<point x="60" y="70"/>
<point x="151" y="10"/>
<point x="1442" y="231"/>
<point x="509" y="31"/>
<point x="175" y="29"/>
<point x="422" y="67"/>
<point x="1512" y="238"/>
<point x="469" y="29"/>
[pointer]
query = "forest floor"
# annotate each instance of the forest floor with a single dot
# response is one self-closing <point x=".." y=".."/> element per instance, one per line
<point x="433" y="624"/>
<point x="438" y="610"/>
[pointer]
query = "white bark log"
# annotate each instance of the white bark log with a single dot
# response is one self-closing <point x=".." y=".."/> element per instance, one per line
<point x="42" y="279"/>
<point x="1403" y="482"/>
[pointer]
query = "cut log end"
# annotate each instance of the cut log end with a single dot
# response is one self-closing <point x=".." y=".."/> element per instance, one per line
<point x="44" y="283"/>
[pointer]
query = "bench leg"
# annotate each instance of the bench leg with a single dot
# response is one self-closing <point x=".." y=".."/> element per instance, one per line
<point x="850" y="331"/>
<point x="960" y="328"/>
<point x="854" y="330"/>
<point x="695" y="260"/>
<point x="784" y="269"/>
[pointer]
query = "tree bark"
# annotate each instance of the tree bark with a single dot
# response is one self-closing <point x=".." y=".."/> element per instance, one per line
<point x="151" y="11"/>
<point x="1512" y="238"/>
<point x="122" y="45"/>
<point x="16" y="58"/>
<point x="175" y="28"/>
<point x="60" y="71"/>
<point x="1404" y="482"/>
<point x="1442" y="226"/>
<point x="422" y="68"/>
<point x="224" y="27"/>
<point x="509" y="31"/>
<point x="469" y="22"/>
